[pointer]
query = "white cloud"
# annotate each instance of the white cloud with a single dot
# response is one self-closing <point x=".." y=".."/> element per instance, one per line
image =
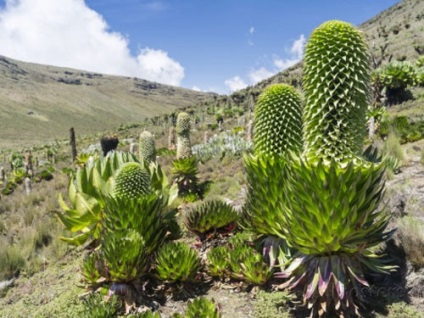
<point x="249" y="40"/>
<point x="282" y="64"/>
<point x="298" y="46"/>
<point x="296" y="54"/>
<point x="235" y="83"/>
<point x="195" y="88"/>
<point x="156" y="65"/>
<point x="68" y="33"/>
<point x="260" y="74"/>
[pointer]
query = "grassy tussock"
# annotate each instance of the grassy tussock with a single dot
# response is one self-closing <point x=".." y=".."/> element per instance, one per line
<point x="410" y="234"/>
<point x="29" y="230"/>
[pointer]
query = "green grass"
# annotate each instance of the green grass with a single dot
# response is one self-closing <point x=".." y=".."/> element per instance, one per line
<point x="52" y="292"/>
<point x="272" y="304"/>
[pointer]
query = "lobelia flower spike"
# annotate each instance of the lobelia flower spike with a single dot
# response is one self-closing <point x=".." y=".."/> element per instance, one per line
<point x="183" y="136"/>
<point x="278" y="131"/>
<point x="278" y="121"/>
<point x="132" y="180"/>
<point x="336" y="85"/>
<point x="147" y="148"/>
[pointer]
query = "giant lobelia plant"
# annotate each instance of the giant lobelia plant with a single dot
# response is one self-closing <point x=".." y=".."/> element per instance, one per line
<point x="86" y="190"/>
<point x="332" y="195"/>
<point x="99" y="178"/>
<point x="184" y="168"/>
<point x="278" y="132"/>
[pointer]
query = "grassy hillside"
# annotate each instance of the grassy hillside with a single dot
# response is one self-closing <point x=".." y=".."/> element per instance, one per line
<point x="39" y="103"/>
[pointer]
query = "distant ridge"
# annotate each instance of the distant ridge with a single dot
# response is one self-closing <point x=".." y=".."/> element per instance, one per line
<point x="40" y="103"/>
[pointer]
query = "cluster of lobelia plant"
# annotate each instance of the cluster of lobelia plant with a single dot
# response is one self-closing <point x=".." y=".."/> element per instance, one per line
<point x="227" y="256"/>
<point x="123" y="208"/>
<point x="320" y="196"/>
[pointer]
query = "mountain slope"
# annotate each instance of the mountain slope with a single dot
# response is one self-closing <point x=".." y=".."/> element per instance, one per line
<point x="39" y="103"/>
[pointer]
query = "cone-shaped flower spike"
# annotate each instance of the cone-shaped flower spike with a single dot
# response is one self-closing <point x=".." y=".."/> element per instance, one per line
<point x="336" y="81"/>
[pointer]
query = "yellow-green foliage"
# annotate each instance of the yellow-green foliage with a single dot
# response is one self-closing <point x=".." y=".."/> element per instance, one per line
<point x="278" y="121"/>
<point x="131" y="181"/>
<point x="336" y="84"/>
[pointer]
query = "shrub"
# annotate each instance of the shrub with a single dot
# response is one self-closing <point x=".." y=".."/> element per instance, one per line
<point x="396" y="77"/>
<point x="224" y="144"/>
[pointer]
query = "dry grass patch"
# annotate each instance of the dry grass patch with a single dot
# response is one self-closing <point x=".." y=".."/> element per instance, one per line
<point x="410" y="235"/>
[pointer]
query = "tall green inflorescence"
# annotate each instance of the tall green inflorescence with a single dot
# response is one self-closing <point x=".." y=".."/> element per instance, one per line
<point x="278" y="121"/>
<point x="147" y="148"/>
<point x="336" y="85"/>
<point x="278" y="131"/>
<point x="183" y="136"/>
<point x="332" y="197"/>
<point x="131" y="181"/>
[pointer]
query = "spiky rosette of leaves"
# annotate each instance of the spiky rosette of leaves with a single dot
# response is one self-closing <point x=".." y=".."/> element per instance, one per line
<point x="86" y="189"/>
<point x="132" y="180"/>
<point x="145" y="215"/>
<point x="217" y="261"/>
<point x="95" y="306"/>
<point x="90" y="268"/>
<point x="332" y="219"/>
<point x="202" y="308"/>
<point x="147" y="148"/>
<point x="124" y="254"/>
<point x="213" y="216"/>
<point x="336" y="81"/>
<point x="185" y="175"/>
<point x="278" y="121"/>
<point x="330" y="207"/>
<point x="332" y="284"/>
<point x="265" y="175"/>
<point x="247" y="264"/>
<point x="177" y="262"/>
<point x="183" y="136"/>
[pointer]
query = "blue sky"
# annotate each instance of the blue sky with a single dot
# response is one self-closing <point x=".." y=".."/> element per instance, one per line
<point x="214" y="45"/>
